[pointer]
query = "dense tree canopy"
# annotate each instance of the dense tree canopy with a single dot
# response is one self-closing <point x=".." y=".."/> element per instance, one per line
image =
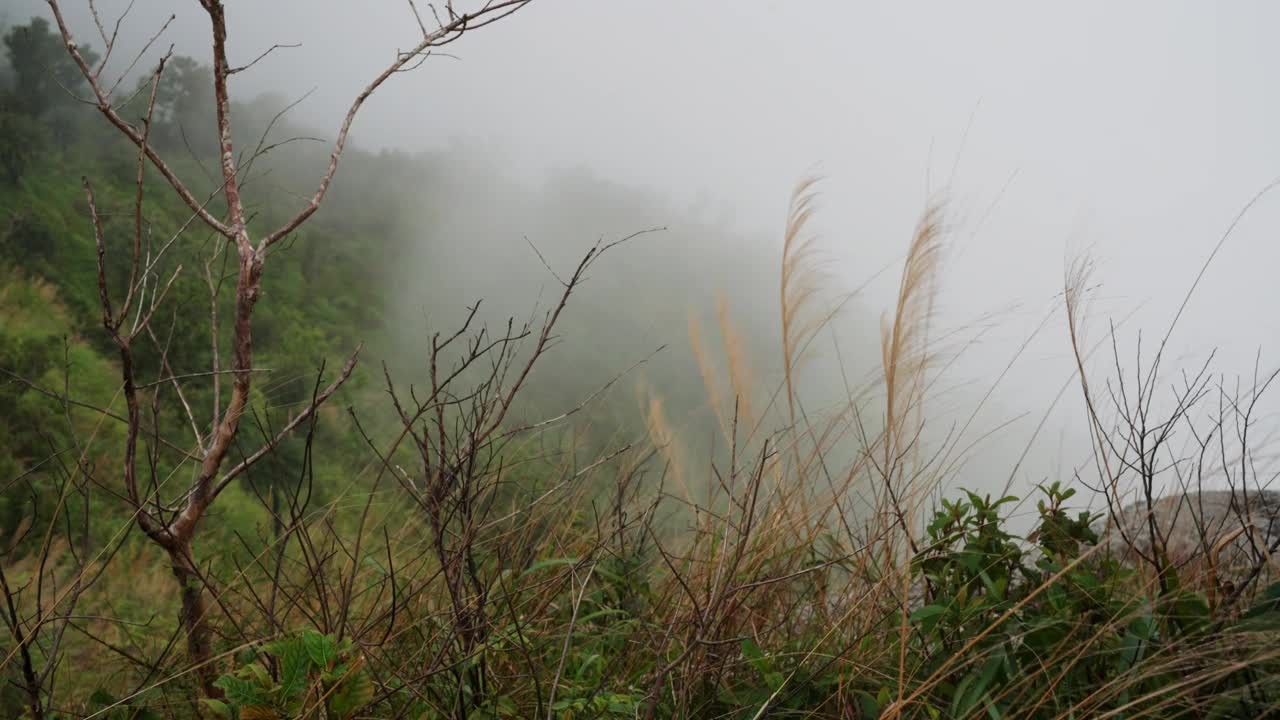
<point x="46" y="82"/>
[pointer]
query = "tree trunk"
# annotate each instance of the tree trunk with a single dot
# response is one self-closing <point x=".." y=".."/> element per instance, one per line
<point x="195" y="621"/>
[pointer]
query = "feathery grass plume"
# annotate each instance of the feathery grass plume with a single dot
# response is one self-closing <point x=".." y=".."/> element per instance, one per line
<point x="666" y="442"/>
<point x="904" y="345"/>
<point x="905" y="356"/>
<point x="735" y="407"/>
<point x="707" y="370"/>
<point x="739" y="364"/>
<point x="904" y="340"/>
<point x="802" y="277"/>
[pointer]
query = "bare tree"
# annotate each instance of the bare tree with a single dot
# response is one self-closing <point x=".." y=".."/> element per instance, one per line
<point x="127" y="313"/>
<point x="1204" y="502"/>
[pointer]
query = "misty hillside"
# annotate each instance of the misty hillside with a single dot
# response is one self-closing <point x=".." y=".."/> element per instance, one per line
<point x="305" y="420"/>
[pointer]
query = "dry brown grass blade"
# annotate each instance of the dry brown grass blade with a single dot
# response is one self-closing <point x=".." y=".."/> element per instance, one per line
<point x="1075" y="289"/>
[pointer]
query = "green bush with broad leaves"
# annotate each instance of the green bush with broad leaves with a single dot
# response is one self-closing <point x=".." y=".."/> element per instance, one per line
<point x="308" y="674"/>
<point x="1036" y="628"/>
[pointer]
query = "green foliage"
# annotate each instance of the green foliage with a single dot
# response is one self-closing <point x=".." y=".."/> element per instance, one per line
<point x="1004" y="626"/>
<point x="49" y="305"/>
<point x="45" y="78"/>
<point x="970" y="566"/>
<point x="38" y="344"/>
<point x="108" y="707"/>
<point x="999" y="624"/>
<point x="184" y="114"/>
<point x="21" y="137"/>
<point x="1030" y="628"/>
<point x="294" y="676"/>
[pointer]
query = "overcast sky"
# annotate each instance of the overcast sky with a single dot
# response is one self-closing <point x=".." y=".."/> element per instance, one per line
<point x="1134" y="130"/>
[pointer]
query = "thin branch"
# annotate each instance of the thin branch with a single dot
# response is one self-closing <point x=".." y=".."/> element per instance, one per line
<point x="454" y="28"/>
<point x="265" y="53"/>
<point x="288" y="428"/>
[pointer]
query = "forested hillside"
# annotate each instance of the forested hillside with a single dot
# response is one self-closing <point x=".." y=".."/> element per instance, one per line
<point x="329" y="295"/>
<point x="386" y="263"/>
<point x="459" y="445"/>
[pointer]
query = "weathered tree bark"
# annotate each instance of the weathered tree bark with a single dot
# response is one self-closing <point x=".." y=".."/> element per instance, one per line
<point x="195" y="620"/>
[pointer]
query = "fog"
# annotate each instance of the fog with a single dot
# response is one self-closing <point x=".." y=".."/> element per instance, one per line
<point x="1134" y="133"/>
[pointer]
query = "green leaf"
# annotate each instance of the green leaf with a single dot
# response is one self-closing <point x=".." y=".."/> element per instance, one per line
<point x="590" y="661"/>
<point x="1191" y="610"/>
<point x="322" y="649"/>
<point x="928" y="616"/>
<point x="355" y="692"/>
<point x="754" y="655"/>
<point x="994" y="587"/>
<point x="551" y="562"/>
<point x="260" y="674"/>
<point x="1134" y="643"/>
<point x="868" y="705"/>
<point x="1268" y="602"/>
<point x="601" y="613"/>
<point x="293" y="667"/>
<point x="217" y="707"/>
<point x="884" y="696"/>
<point x="975" y="687"/>
<point x="240" y="691"/>
<point x="775" y="680"/>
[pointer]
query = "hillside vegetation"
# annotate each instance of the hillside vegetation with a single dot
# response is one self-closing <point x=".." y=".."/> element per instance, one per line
<point x="429" y="510"/>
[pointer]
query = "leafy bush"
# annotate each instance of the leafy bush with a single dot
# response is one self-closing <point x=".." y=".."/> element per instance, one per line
<point x="294" y="676"/>
<point x="1012" y="628"/>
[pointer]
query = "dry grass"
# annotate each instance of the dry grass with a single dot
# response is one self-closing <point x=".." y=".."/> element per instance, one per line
<point x="776" y="577"/>
<point x="801" y="280"/>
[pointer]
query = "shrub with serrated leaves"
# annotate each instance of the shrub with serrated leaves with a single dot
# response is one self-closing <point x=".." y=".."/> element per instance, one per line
<point x="294" y="676"/>
<point x="1056" y="625"/>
